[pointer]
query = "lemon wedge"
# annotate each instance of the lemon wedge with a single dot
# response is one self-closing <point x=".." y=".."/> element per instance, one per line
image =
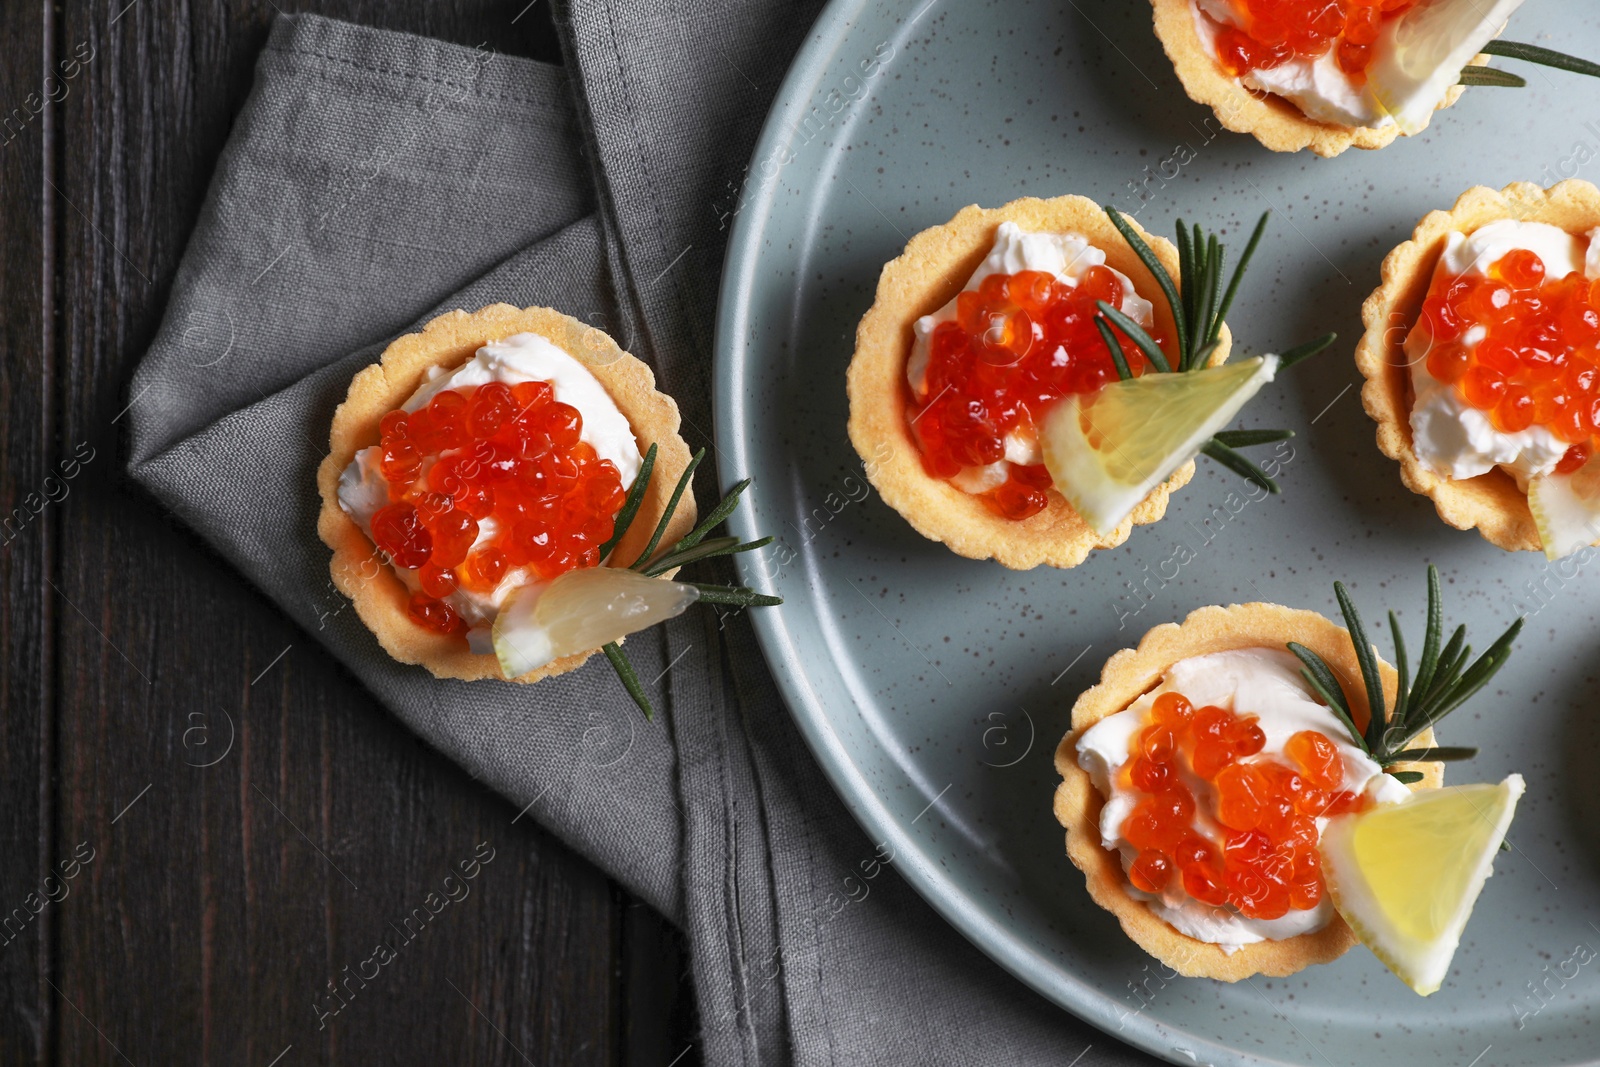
<point x="580" y="611"/>
<point x="1105" y="451"/>
<point x="1405" y="876"/>
<point x="1420" y="58"/>
<point x="1566" y="509"/>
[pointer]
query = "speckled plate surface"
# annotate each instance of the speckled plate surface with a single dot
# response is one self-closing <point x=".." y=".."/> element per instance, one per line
<point x="933" y="689"/>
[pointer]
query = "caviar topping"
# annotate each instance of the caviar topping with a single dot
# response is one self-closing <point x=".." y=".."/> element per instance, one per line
<point x="1023" y="343"/>
<point x="1536" y="360"/>
<point x="1263" y="860"/>
<point x="1019" y="343"/>
<point x="486" y="480"/>
<point x="1275" y="32"/>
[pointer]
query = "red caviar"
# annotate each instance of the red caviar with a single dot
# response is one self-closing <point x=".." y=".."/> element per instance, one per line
<point x="1277" y="31"/>
<point x="1266" y="860"/>
<point x="507" y="454"/>
<point x="1538" y="362"/>
<point x="1019" y="343"/>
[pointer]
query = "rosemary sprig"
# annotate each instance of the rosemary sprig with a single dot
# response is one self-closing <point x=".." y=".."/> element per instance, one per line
<point x="1239" y="464"/>
<point x="1302" y="352"/>
<point x="1246" y="438"/>
<point x="735" y="595"/>
<point x="1545" y="57"/>
<point x="717" y="546"/>
<point x="1443" y="683"/>
<point x="1140" y="338"/>
<point x="672" y="506"/>
<point x="630" y="503"/>
<point x="688" y="549"/>
<point x="1503" y="79"/>
<point x="1198" y="312"/>
<point x="1530" y="53"/>
<point x="1117" y="358"/>
<point x="630" y="678"/>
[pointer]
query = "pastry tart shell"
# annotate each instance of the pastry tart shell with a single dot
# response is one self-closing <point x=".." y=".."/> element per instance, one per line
<point x="1491" y="503"/>
<point x="1133" y="672"/>
<point x="1274" y="121"/>
<point x="934" y="267"/>
<point x="358" y="570"/>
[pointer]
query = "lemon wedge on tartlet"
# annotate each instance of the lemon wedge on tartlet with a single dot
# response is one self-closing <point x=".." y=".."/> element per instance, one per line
<point x="1566" y="509"/>
<point x="1105" y="451"/>
<point x="587" y="608"/>
<point x="1405" y="876"/>
<point x="1424" y="55"/>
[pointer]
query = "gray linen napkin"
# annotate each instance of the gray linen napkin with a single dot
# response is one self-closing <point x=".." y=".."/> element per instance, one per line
<point x="374" y="179"/>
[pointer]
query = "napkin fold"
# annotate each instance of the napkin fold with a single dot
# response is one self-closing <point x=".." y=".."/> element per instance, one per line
<point x="375" y="179"/>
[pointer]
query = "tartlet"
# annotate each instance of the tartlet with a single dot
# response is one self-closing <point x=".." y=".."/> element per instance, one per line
<point x="934" y="267"/>
<point x="1077" y="802"/>
<point x="1274" y="121"/>
<point x="1491" y="503"/>
<point x="448" y="341"/>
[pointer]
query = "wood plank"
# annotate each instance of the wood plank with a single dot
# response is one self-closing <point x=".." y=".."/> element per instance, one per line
<point x="226" y="900"/>
<point x="659" y="1023"/>
<point x="28" y="903"/>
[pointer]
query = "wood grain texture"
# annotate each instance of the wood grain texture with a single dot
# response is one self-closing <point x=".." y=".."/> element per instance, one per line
<point x="27" y="521"/>
<point x="257" y="824"/>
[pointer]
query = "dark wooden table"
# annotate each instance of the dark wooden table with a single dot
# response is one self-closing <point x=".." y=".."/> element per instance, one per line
<point x="255" y="820"/>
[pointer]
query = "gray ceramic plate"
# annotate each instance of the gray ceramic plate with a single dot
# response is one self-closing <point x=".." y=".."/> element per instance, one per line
<point x="929" y="683"/>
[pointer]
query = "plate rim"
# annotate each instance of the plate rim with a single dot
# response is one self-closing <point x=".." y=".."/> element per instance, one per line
<point x="730" y="356"/>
